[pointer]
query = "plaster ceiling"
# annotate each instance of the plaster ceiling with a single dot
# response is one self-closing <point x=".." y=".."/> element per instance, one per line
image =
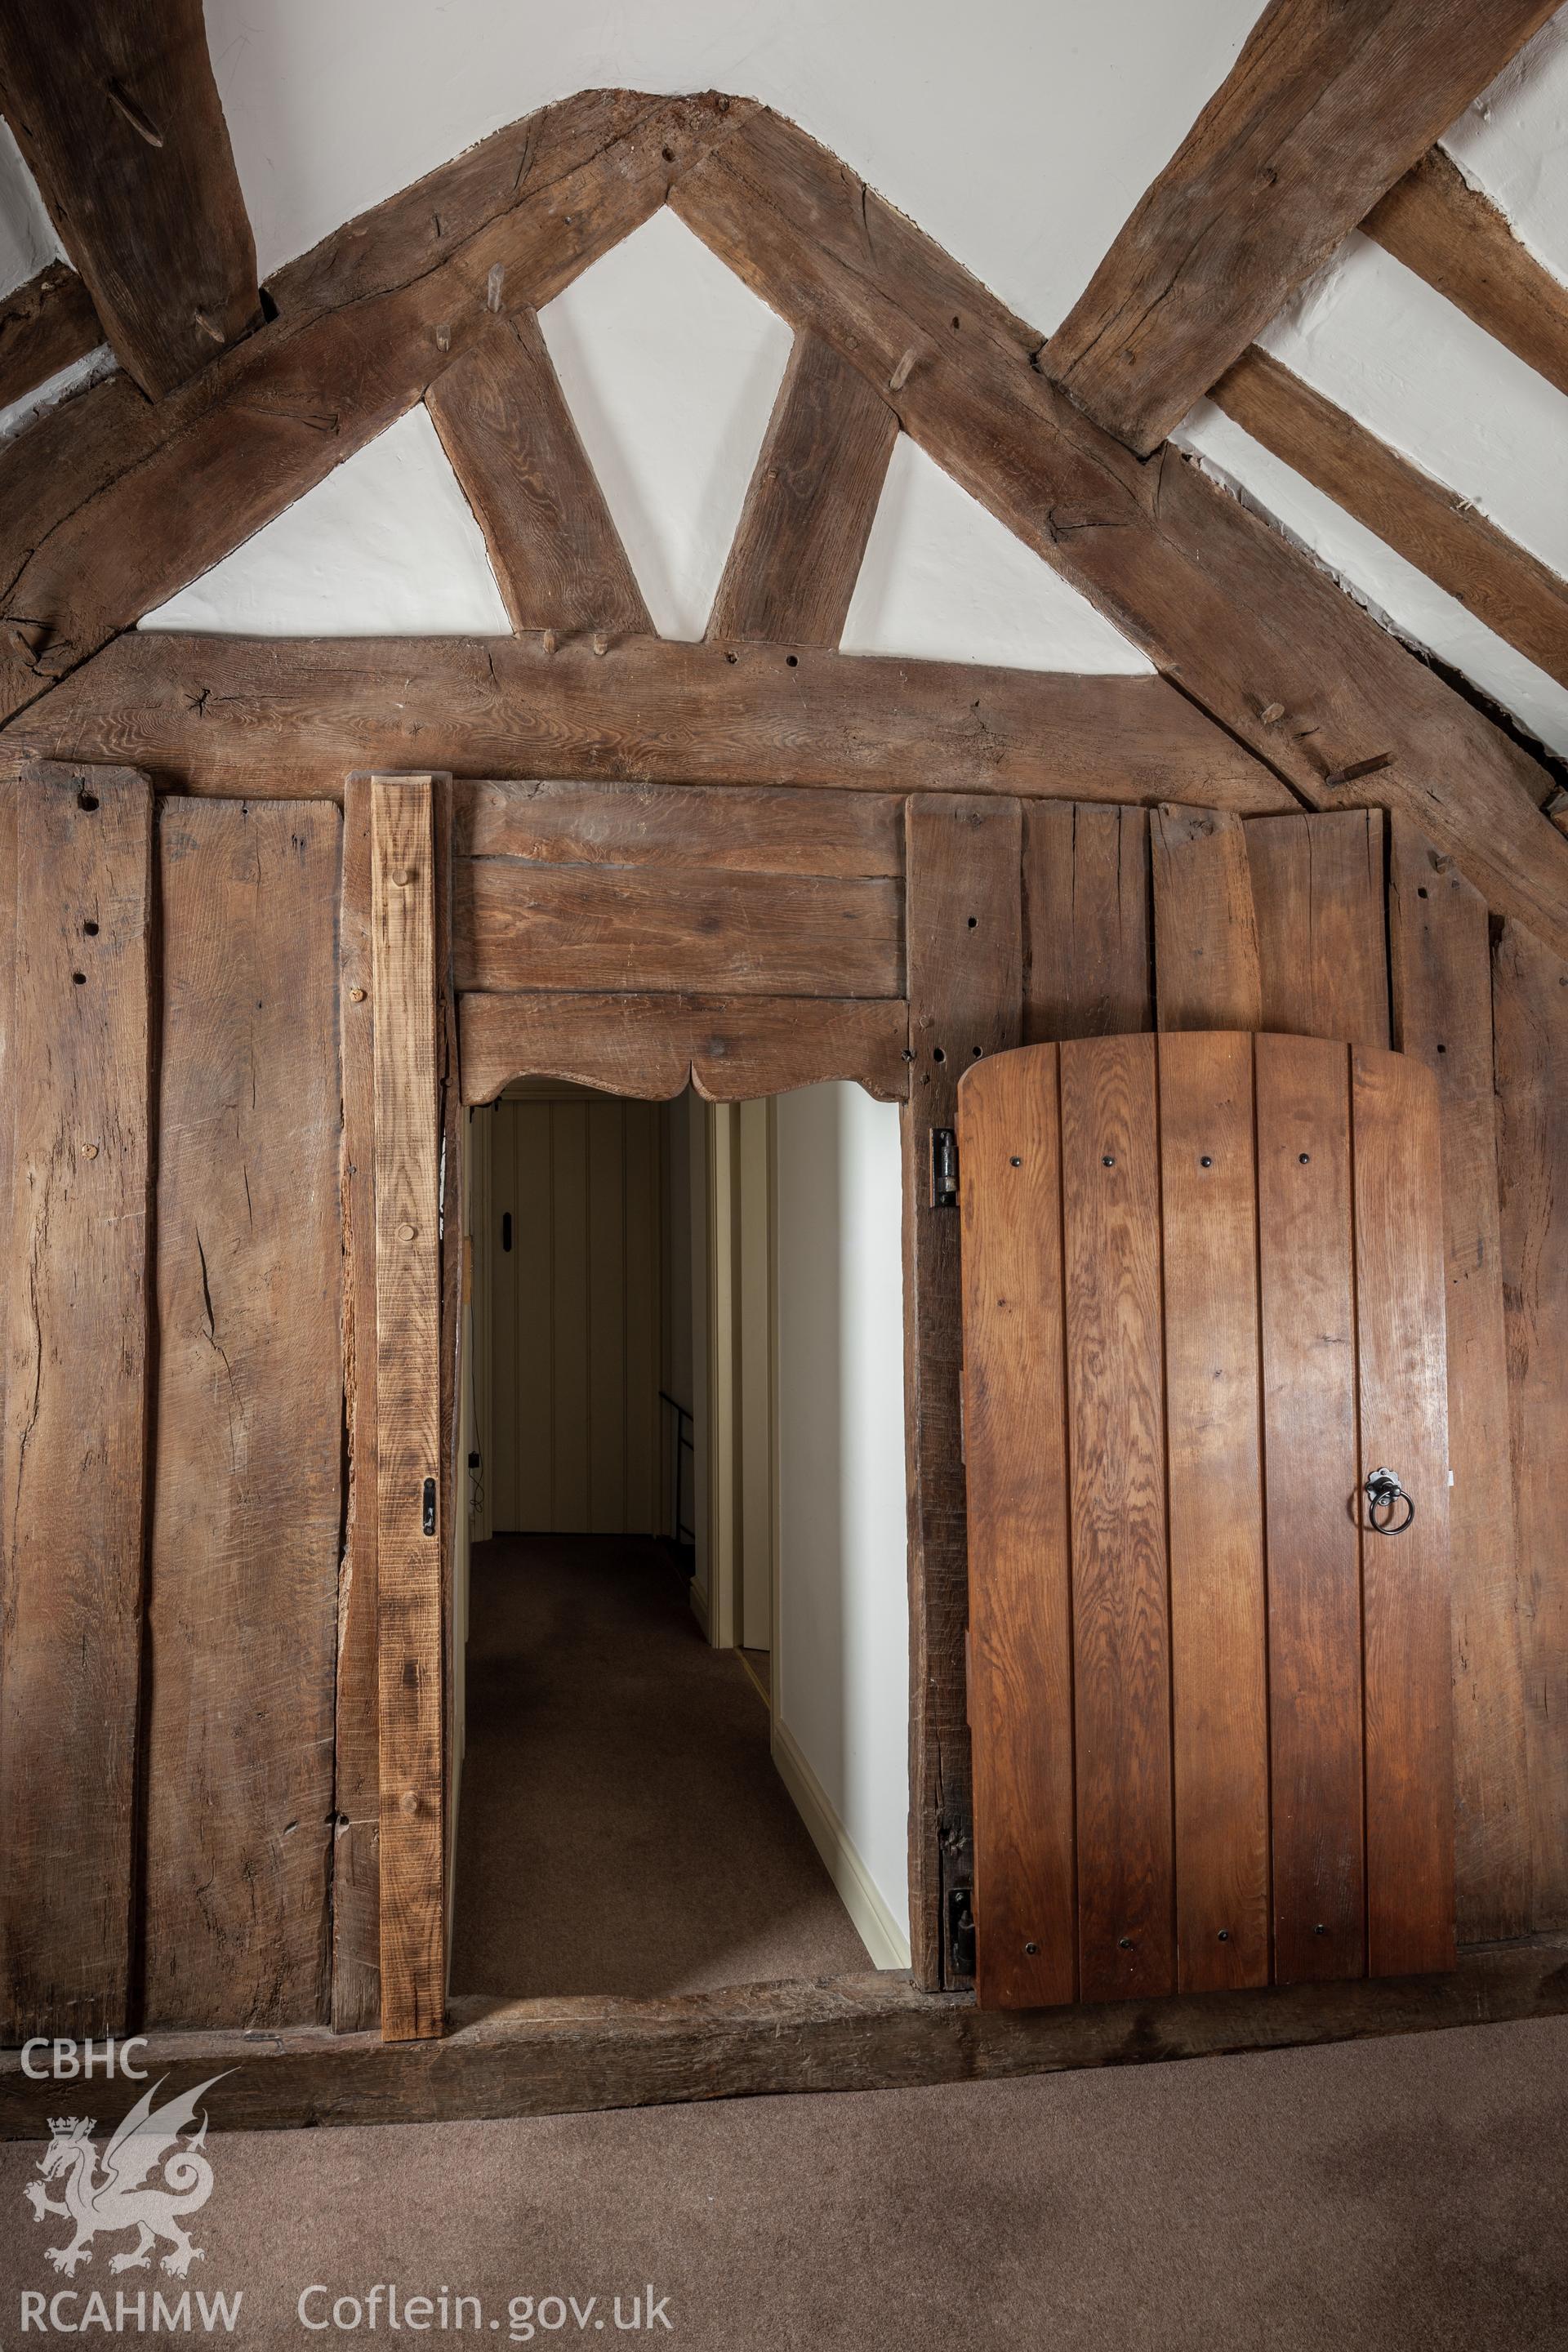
<point x="1018" y="134"/>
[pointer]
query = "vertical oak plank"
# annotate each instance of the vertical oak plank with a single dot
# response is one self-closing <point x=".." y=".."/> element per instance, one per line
<point x="1020" y="1566"/>
<point x="505" y="425"/>
<point x="1530" y="1002"/>
<point x="1318" y="892"/>
<point x="1439" y="937"/>
<point x="1311" y="1455"/>
<point x="245" y="1489"/>
<point x="813" y="498"/>
<point x="75" y="1404"/>
<point x="1396" y="1169"/>
<point x="1206" y="932"/>
<point x="963" y="922"/>
<point x="356" y="1842"/>
<point x="1213" y="1421"/>
<point x="411" y="1583"/>
<point x="1121" y="1666"/>
<point x="1088" y="965"/>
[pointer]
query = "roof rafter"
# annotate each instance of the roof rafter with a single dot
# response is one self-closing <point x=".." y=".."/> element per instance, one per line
<point x="1323" y="109"/>
<point x="115" y="106"/>
<point x="1431" y="527"/>
<point x="1447" y="232"/>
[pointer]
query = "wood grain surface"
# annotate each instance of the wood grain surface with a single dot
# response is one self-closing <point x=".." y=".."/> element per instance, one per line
<point x="1020" y="1581"/>
<point x="1319" y="115"/>
<point x="1529" y="1002"/>
<point x="115" y="106"/>
<point x="762" y="829"/>
<point x="521" y="925"/>
<point x="410" y="1616"/>
<point x="965" y="995"/>
<point x="356" y="1841"/>
<point x="1088" y="970"/>
<point x="1121" y="1635"/>
<point x="72" y="1523"/>
<point x="731" y="1049"/>
<point x="1457" y="240"/>
<point x="1311" y="1447"/>
<point x="1206" y="931"/>
<point x="1402" y="1378"/>
<point x="1440" y="950"/>
<point x="813" y="497"/>
<point x="1318" y="894"/>
<point x="298" y="715"/>
<point x="1436" y="529"/>
<point x="504" y="423"/>
<point x="1214" y="1419"/>
<point x="243" y="1590"/>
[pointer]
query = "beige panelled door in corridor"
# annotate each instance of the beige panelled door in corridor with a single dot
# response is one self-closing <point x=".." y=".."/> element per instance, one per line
<point x="570" y="1250"/>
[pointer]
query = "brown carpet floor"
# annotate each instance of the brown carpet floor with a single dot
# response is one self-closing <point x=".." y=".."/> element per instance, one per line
<point x="623" y="1829"/>
<point x="1402" y="2196"/>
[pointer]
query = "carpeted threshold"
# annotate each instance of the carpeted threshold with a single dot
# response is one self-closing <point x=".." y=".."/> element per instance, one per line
<point x="623" y="1829"/>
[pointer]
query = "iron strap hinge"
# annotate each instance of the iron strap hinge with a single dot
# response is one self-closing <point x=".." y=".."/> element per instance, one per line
<point x="944" y="1168"/>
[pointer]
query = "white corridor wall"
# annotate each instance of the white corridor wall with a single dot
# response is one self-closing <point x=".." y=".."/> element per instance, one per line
<point x="841" y="1668"/>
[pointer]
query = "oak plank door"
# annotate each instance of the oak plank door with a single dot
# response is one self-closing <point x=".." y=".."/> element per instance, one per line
<point x="1208" y="1696"/>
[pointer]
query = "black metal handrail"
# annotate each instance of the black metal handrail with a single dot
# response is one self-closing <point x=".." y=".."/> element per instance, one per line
<point x="684" y="1533"/>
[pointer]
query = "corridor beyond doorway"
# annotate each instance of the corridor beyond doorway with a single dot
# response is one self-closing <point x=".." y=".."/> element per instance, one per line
<point x="623" y="1830"/>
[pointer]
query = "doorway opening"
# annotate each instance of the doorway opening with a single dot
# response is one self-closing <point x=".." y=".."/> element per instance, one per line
<point x="679" y="1631"/>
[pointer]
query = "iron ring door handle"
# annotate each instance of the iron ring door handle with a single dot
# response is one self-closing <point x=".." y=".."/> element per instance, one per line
<point x="1384" y="1495"/>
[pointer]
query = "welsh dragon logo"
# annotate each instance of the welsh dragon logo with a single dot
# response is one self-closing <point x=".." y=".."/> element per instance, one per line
<point x="115" y="2197"/>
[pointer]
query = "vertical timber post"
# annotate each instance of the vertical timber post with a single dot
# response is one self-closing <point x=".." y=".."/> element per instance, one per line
<point x="963" y="857"/>
<point x="410" y="1597"/>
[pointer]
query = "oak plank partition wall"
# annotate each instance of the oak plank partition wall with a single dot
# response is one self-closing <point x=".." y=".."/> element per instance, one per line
<point x="752" y="863"/>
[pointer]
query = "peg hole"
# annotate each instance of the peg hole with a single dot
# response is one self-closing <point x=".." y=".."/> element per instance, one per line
<point x="731" y="658"/>
<point x="792" y="661"/>
<point x="88" y="800"/>
<point x="938" y="1054"/>
<point x="91" y="930"/>
<point x="1422" y="892"/>
<point x="79" y="978"/>
<point x="973" y="920"/>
